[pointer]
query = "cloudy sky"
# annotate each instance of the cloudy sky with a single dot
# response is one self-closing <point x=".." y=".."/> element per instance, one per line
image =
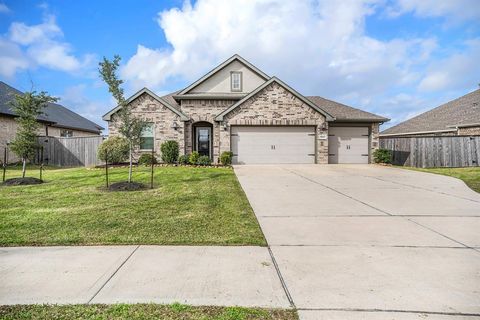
<point x="394" y="58"/>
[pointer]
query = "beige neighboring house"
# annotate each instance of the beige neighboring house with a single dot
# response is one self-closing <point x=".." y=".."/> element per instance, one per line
<point x="458" y="117"/>
<point x="237" y="107"/>
<point x="57" y="121"/>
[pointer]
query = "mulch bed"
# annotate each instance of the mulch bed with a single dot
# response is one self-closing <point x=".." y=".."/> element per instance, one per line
<point x="22" y="181"/>
<point x="126" y="186"/>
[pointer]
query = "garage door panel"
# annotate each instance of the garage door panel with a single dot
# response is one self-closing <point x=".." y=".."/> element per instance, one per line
<point x="268" y="144"/>
<point x="348" y="145"/>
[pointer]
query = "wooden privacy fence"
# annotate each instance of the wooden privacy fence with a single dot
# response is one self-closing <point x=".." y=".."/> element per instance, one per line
<point x="428" y="152"/>
<point x="70" y="152"/>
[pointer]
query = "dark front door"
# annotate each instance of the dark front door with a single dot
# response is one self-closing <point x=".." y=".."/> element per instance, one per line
<point x="203" y="136"/>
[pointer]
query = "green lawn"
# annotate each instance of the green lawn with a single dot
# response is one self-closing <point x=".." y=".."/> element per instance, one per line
<point x="471" y="176"/>
<point x="192" y="206"/>
<point x="141" y="311"/>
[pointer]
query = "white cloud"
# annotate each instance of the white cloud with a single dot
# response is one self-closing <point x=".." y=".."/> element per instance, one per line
<point x="454" y="10"/>
<point x="42" y="45"/>
<point x="4" y="8"/>
<point x="319" y="47"/>
<point x="457" y="71"/>
<point x="11" y="58"/>
<point x="77" y="99"/>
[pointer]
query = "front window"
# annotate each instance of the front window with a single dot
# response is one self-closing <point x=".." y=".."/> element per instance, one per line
<point x="146" y="142"/>
<point x="66" y="133"/>
<point x="236" y="81"/>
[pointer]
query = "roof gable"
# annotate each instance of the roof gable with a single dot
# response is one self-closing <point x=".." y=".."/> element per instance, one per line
<point x="183" y="117"/>
<point x="329" y="117"/>
<point x="235" y="59"/>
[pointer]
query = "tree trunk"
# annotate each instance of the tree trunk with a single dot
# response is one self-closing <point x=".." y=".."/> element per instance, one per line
<point x="130" y="167"/>
<point x="24" y="167"/>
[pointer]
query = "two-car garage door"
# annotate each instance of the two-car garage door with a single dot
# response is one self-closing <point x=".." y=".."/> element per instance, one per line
<point x="270" y="144"/>
<point x="292" y="144"/>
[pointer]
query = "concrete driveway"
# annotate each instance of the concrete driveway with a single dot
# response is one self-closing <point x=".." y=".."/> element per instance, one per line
<point x="370" y="242"/>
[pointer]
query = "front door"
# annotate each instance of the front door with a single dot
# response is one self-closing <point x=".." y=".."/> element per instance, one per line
<point x="203" y="143"/>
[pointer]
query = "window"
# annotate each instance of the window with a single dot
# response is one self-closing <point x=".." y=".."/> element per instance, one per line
<point x="66" y="133"/>
<point x="236" y="81"/>
<point x="146" y="142"/>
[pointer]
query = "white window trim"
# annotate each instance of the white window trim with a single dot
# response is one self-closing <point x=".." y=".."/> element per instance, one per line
<point x="153" y="136"/>
<point x="241" y="81"/>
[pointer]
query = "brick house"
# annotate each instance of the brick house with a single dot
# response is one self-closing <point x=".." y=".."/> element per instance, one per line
<point x="237" y="107"/>
<point x="459" y="117"/>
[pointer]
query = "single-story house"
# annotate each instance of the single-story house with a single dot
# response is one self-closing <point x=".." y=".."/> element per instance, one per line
<point x="458" y="117"/>
<point x="57" y="121"/>
<point x="237" y="107"/>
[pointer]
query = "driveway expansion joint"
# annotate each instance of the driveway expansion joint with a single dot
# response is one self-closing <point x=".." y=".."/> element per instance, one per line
<point x="113" y="274"/>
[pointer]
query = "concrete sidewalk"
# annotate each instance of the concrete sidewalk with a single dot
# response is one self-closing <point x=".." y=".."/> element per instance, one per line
<point x="243" y="276"/>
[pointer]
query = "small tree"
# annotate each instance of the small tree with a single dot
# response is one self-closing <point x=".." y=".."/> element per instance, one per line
<point x="28" y="107"/>
<point x="129" y="126"/>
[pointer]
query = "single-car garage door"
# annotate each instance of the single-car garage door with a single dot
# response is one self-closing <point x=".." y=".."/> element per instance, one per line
<point x="348" y="145"/>
<point x="268" y="144"/>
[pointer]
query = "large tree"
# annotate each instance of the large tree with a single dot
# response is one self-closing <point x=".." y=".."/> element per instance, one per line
<point x="127" y="124"/>
<point x="28" y="107"/>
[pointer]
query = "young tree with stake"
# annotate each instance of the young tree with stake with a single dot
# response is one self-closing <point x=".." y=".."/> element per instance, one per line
<point x="128" y="125"/>
<point x="28" y="107"/>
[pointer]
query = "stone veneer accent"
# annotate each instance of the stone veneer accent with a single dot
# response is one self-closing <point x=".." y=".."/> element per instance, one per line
<point x="150" y="109"/>
<point x="274" y="105"/>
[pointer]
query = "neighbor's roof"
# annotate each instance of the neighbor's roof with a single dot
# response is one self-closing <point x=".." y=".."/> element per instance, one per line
<point x="345" y="113"/>
<point x="56" y="114"/>
<point x="461" y="112"/>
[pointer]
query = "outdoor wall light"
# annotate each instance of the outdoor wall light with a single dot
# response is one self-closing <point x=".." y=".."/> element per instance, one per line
<point x="225" y="126"/>
<point x="323" y="126"/>
<point x="174" y="125"/>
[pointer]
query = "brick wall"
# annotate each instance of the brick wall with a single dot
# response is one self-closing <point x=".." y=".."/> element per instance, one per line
<point x="276" y="106"/>
<point x="467" y="131"/>
<point x="205" y="110"/>
<point x="149" y="109"/>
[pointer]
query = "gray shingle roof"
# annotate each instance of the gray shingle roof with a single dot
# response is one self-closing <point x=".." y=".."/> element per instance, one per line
<point x="461" y="111"/>
<point x="345" y="113"/>
<point x="54" y="113"/>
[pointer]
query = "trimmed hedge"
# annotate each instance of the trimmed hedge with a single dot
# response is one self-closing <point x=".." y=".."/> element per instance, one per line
<point x="204" y="161"/>
<point x="226" y="158"/>
<point x="193" y="157"/>
<point x="147" y="159"/>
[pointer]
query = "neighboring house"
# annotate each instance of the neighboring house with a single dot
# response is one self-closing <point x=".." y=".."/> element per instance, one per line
<point x="237" y="107"/>
<point x="57" y="121"/>
<point x="457" y="117"/>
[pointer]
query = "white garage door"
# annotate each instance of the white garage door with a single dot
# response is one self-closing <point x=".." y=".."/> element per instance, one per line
<point x="348" y="145"/>
<point x="265" y="144"/>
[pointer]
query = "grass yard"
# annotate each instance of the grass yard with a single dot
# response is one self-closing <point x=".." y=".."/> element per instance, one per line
<point x="141" y="311"/>
<point x="471" y="176"/>
<point x="190" y="206"/>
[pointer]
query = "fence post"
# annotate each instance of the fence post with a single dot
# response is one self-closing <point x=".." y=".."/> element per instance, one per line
<point x="151" y="175"/>
<point x="4" y="164"/>
<point x="41" y="161"/>
<point x="106" y="165"/>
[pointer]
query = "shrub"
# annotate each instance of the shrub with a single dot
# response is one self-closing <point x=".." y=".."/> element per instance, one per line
<point x="147" y="159"/>
<point x="116" y="148"/>
<point x="204" y="161"/>
<point x="226" y="158"/>
<point x="382" y="156"/>
<point x="170" y="151"/>
<point x="193" y="157"/>
<point x="183" y="159"/>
